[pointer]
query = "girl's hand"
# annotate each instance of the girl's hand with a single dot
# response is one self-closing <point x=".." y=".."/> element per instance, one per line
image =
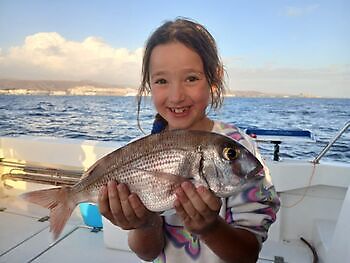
<point x="197" y="207"/>
<point x="123" y="208"/>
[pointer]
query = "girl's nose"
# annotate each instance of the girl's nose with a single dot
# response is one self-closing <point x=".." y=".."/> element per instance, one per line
<point x="177" y="92"/>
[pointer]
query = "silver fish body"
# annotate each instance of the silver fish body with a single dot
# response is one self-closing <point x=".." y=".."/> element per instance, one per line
<point x="153" y="167"/>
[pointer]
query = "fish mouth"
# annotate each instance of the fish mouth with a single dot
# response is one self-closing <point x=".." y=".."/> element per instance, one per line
<point x="255" y="171"/>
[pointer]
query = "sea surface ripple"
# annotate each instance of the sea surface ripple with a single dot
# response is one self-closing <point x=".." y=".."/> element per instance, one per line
<point x="106" y="118"/>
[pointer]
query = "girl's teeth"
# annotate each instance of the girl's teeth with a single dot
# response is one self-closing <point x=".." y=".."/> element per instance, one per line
<point x="179" y="110"/>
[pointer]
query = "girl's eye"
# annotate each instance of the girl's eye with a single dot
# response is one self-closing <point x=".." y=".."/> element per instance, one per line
<point x="192" y="78"/>
<point x="160" y="81"/>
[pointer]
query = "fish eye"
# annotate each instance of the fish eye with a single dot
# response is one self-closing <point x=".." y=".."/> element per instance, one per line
<point x="230" y="153"/>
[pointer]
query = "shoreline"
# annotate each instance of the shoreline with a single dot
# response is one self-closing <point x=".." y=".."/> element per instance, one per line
<point x="121" y="95"/>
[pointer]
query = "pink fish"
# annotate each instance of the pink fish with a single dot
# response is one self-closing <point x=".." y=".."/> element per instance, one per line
<point x="153" y="167"/>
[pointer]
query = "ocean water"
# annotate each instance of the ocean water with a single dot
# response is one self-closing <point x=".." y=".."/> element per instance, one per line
<point x="115" y="119"/>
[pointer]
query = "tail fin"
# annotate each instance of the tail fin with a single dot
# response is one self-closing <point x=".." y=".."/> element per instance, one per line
<point x="60" y="202"/>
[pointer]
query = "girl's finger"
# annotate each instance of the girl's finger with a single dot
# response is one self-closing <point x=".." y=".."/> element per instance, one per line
<point x="180" y="211"/>
<point x="196" y="200"/>
<point x="126" y="207"/>
<point x="103" y="203"/>
<point x="139" y="209"/>
<point x="114" y="203"/>
<point x="186" y="202"/>
<point x="209" y="198"/>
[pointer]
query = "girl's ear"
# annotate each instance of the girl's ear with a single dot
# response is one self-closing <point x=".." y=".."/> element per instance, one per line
<point x="220" y="72"/>
<point x="213" y="88"/>
<point x="213" y="91"/>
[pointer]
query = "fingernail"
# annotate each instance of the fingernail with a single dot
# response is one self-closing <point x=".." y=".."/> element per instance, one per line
<point x="184" y="185"/>
<point x="176" y="203"/>
<point x="132" y="197"/>
<point x="102" y="192"/>
<point x="179" y="192"/>
<point x="201" y="189"/>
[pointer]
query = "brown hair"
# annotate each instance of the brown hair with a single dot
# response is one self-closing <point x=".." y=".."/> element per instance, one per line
<point x="195" y="37"/>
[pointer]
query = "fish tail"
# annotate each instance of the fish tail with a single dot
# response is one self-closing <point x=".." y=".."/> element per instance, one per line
<point x="59" y="200"/>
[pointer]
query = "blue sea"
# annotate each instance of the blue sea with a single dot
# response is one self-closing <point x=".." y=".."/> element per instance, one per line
<point x="115" y="119"/>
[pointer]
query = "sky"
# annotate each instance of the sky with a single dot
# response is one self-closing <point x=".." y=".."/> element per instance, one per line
<point x="278" y="46"/>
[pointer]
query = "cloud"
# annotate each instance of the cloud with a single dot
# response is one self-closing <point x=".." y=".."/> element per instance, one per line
<point x="51" y="56"/>
<point x="300" y="11"/>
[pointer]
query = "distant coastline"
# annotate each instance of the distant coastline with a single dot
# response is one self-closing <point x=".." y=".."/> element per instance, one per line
<point x="89" y="88"/>
<point x="62" y="88"/>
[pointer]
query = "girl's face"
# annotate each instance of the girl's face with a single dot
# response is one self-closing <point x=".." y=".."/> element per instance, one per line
<point x="179" y="87"/>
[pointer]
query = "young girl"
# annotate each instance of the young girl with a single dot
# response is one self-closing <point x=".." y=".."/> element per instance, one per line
<point x="182" y="71"/>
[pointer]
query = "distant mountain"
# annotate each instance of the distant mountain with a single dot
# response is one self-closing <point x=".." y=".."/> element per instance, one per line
<point x="50" y="85"/>
<point x="62" y="87"/>
<point x="259" y="94"/>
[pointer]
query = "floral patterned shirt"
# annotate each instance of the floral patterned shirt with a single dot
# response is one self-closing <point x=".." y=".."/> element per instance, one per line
<point x="254" y="209"/>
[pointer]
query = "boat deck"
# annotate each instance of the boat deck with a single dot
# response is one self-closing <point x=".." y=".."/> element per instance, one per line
<point x="23" y="238"/>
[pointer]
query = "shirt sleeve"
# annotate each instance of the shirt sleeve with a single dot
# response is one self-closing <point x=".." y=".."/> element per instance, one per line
<point x="255" y="207"/>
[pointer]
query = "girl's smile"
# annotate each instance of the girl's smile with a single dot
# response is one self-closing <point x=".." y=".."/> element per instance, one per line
<point x="179" y="111"/>
<point x="180" y="90"/>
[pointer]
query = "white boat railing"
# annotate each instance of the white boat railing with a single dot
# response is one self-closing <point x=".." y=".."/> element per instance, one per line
<point x="37" y="174"/>
<point x="331" y="142"/>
